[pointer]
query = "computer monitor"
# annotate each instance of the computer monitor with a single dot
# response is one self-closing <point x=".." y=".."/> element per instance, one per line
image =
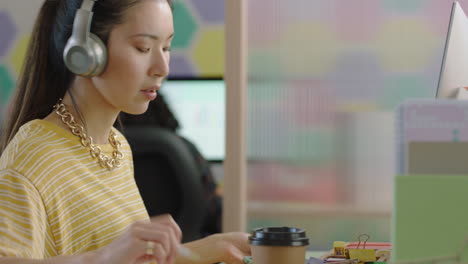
<point x="199" y="106"/>
<point x="454" y="70"/>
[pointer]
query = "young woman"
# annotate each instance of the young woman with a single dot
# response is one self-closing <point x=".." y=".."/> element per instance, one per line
<point x="66" y="175"/>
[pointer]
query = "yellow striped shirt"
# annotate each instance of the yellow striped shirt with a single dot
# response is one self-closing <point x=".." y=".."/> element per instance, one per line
<point x="55" y="199"/>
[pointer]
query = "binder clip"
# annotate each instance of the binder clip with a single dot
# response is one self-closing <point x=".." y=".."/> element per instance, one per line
<point x="362" y="254"/>
<point x="383" y="255"/>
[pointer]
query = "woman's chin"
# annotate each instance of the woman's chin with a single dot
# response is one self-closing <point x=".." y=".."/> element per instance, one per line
<point x="141" y="109"/>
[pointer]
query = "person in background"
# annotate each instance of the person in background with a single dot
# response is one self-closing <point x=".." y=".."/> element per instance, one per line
<point x="159" y="114"/>
<point x="66" y="174"/>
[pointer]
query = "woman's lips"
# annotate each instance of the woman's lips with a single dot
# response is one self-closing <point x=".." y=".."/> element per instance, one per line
<point x="150" y="94"/>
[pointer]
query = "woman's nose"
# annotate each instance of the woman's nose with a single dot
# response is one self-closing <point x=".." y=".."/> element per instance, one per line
<point x="160" y="65"/>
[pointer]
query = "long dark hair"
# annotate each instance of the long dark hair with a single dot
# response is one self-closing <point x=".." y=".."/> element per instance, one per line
<point x="44" y="78"/>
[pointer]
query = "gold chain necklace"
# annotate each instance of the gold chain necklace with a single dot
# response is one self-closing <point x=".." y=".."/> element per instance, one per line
<point x="87" y="142"/>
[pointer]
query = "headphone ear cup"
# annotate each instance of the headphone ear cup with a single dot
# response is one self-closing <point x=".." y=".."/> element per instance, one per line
<point x="76" y="58"/>
<point x="86" y="60"/>
<point x="99" y="55"/>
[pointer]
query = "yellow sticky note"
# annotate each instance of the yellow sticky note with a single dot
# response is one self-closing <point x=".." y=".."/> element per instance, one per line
<point x="363" y="255"/>
<point x="339" y="248"/>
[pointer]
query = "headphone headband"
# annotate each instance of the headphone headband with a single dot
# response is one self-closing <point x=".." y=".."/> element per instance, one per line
<point x="88" y="5"/>
<point x="82" y="21"/>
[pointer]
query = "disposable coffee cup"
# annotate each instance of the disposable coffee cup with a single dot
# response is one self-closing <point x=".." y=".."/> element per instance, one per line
<point x="278" y="245"/>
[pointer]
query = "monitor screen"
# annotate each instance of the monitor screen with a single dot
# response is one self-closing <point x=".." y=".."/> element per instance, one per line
<point x="454" y="70"/>
<point x="199" y="106"/>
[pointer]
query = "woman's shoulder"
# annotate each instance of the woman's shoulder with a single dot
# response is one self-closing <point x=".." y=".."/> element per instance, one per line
<point x="26" y="135"/>
<point x="35" y="139"/>
<point x="40" y="132"/>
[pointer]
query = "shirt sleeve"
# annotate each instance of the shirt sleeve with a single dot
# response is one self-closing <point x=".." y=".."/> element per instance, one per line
<point x="23" y="219"/>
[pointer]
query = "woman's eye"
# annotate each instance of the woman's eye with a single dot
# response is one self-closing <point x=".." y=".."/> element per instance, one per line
<point x="144" y="50"/>
<point x="167" y="49"/>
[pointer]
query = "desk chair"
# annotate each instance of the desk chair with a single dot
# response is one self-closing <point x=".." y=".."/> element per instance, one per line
<point x="168" y="177"/>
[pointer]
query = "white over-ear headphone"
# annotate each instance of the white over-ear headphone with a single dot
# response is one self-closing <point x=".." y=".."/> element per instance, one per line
<point x="85" y="54"/>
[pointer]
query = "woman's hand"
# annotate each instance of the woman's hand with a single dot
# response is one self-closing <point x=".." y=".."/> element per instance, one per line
<point x="230" y="248"/>
<point x="161" y="234"/>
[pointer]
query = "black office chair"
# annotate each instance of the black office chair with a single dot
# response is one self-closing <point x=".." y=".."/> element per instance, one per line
<point x="168" y="177"/>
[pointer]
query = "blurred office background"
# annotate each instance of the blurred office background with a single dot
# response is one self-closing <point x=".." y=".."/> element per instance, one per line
<point x="323" y="80"/>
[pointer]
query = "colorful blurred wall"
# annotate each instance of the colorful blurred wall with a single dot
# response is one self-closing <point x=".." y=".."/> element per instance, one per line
<point x="323" y="80"/>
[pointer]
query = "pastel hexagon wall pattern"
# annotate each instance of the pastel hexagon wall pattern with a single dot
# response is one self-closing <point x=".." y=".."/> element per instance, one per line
<point x="208" y="52"/>
<point x="185" y="26"/>
<point x="321" y="73"/>
<point x="7" y="32"/>
<point x="387" y="34"/>
<point x="182" y="65"/>
<point x="6" y="84"/>
<point x="199" y="39"/>
<point x="399" y="46"/>
<point x="18" y="53"/>
<point x="211" y="12"/>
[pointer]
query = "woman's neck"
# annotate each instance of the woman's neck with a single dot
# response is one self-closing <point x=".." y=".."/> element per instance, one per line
<point x="98" y="116"/>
